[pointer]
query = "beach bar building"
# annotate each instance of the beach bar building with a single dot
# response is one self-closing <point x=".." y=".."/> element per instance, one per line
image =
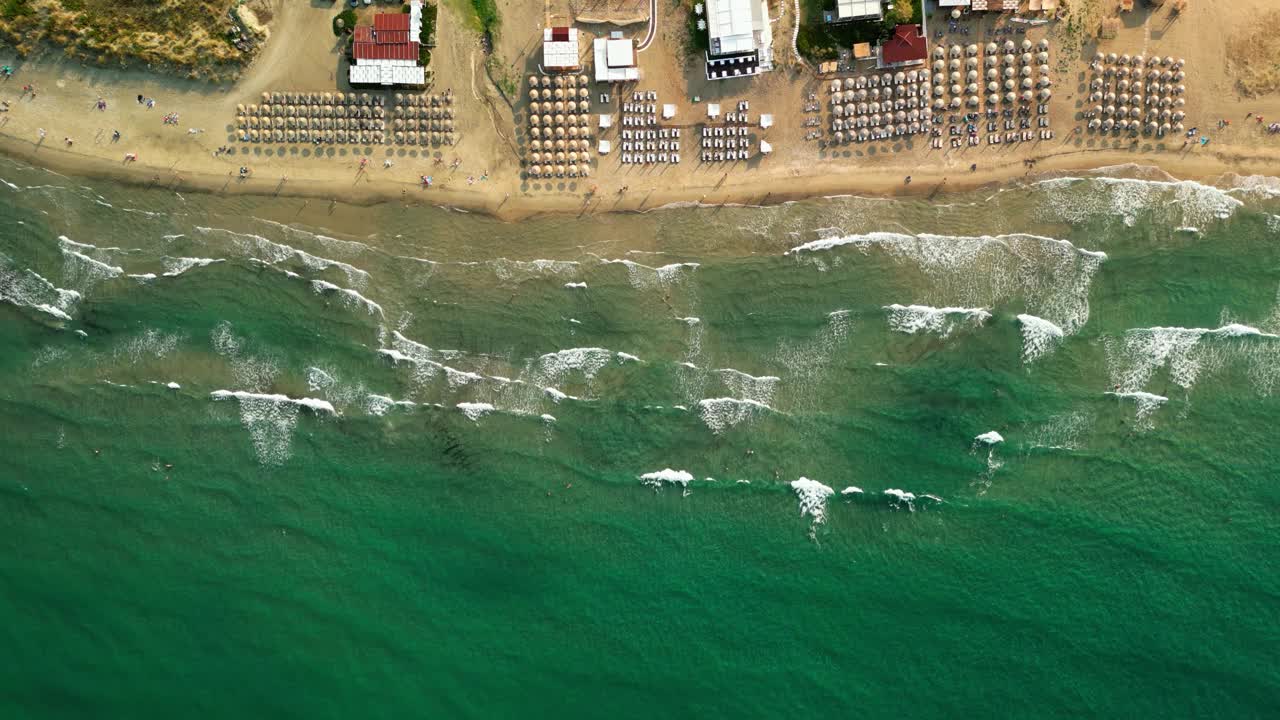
<point x="854" y="10"/>
<point x="560" y="49"/>
<point x="907" y="46"/>
<point x="385" y="54"/>
<point x="615" y="59"/>
<point x="740" y="39"/>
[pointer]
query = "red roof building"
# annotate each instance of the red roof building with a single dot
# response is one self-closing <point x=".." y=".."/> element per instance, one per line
<point x="383" y="22"/>
<point x="387" y="52"/>
<point x="908" y="46"/>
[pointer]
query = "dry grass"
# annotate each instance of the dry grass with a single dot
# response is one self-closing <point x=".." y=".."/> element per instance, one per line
<point x="185" y="35"/>
<point x="1253" y="56"/>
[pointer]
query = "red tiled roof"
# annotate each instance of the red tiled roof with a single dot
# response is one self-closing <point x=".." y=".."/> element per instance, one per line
<point x="385" y="51"/>
<point x="366" y="34"/>
<point x="906" y="45"/>
<point x="391" y="21"/>
<point x="560" y="34"/>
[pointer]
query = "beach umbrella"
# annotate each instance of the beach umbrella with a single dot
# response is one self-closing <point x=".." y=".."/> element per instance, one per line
<point x="992" y="60"/>
<point x="973" y="101"/>
<point x="1027" y="58"/>
<point x="886" y="79"/>
<point x="411" y="138"/>
<point x="1151" y="127"/>
<point x="242" y="122"/>
<point x="1044" y="69"/>
<point x="1179" y="102"/>
<point x="1010" y="84"/>
<point x="1042" y="57"/>
<point x="583" y="94"/>
<point x="573" y="131"/>
<point x="1179" y="127"/>
<point x="1095" y="123"/>
<point x="971" y="88"/>
<point x="1046" y="93"/>
<point x="902" y="129"/>
<point x="277" y="135"/>
<point x="1123" y="98"/>
<point x="954" y="65"/>
<point x="993" y="74"/>
<point x="838" y="110"/>
<point x="559" y="81"/>
<point x="900" y="116"/>
<point x="939" y="65"/>
<point x="1026" y="83"/>
<point x="546" y="94"/>
<point x="1178" y="115"/>
<point x="291" y="136"/>
<point x="860" y="81"/>
<point x="955" y="102"/>
<point x="546" y="81"/>
<point x="559" y="106"/>
<point x="558" y="94"/>
<point x="1027" y="96"/>
<point x="1095" y="96"/>
<point x="955" y="51"/>
<point x="560" y="133"/>
<point x="972" y="76"/>
<point x="1026" y="71"/>
<point x="993" y="87"/>
<point x="899" y="78"/>
<point x="939" y="103"/>
<point x="1112" y="58"/>
<point x="291" y="123"/>
<point x="423" y="138"/>
<point x="399" y="137"/>
<point x="1010" y="72"/>
<point x="559" y="118"/>
<point x="939" y="51"/>
<point x="1107" y="125"/>
<point x="535" y="171"/>
<point x="1109" y="110"/>
<point x="255" y="123"/>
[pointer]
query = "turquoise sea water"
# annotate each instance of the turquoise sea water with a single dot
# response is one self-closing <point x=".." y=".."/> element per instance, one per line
<point x="423" y="492"/>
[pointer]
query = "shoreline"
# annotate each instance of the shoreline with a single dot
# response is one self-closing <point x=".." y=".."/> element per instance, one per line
<point x="878" y="181"/>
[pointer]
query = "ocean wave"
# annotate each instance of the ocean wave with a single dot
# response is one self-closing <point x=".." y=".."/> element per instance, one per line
<point x="475" y="410"/>
<point x="813" y="497"/>
<point x="655" y="480"/>
<point x="575" y="286"/>
<point x="1052" y="276"/>
<point x="28" y="289"/>
<point x="350" y="298"/>
<point x="175" y="266"/>
<point x="270" y="420"/>
<point x="1080" y="199"/>
<point x="808" y="361"/>
<point x="912" y="319"/>
<point x="379" y="405"/>
<point x="720" y="414"/>
<point x="644" y="277"/>
<point x="757" y="389"/>
<point x="990" y="437"/>
<point x="1190" y="353"/>
<point x="273" y="253"/>
<point x="852" y="490"/>
<point x="1147" y="403"/>
<point x="1039" y="337"/>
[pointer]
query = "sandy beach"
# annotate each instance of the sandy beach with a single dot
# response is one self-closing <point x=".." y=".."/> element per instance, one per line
<point x="303" y="55"/>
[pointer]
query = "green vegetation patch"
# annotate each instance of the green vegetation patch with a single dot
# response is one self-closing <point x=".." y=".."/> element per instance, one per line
<point x="818" y="40"/>
<point x="347" y="24"/>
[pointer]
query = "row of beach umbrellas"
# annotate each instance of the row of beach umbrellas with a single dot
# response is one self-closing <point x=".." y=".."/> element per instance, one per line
<point x="243" y="122"/>
<point x="559" y="81"/>
<point x="423" y="112"/>
<point x="559" y="171"/>
<point x="321" y="98"/>
<point x="419" y="100"/>
<point x="269" y="110"/>
<point x="559" y="120"/>
<point x="566" y="145"/>
<point x="560" y="132"/>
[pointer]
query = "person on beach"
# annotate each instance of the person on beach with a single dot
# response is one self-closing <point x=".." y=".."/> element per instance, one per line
<point x="41" y="133"/>
<point x="115" y="136"/>
<point x="139" y="98"/>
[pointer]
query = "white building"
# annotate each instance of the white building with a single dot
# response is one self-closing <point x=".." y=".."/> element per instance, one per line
<point x="615" y="59"/>
<point x="740" y="38"/>
<point x="560" y="48"/>
<point x="857" y="9"/>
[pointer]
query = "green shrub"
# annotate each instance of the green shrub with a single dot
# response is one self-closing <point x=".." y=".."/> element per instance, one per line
<point x="15" y="8"/>
<point x="348" y="18"/>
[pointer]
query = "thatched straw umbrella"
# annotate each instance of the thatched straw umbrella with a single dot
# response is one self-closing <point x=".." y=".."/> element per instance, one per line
<point x="399" y="137"/>
<point x="255" y="135"/>
<point x="266" y="97"/>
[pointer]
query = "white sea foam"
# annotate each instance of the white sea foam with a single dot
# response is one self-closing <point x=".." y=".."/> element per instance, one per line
<point x="990" y="437"/>
<point x="175" y="266"/>
<point x="380" y="405"/>
<point x="274" y="253"/>
<point x="1190" y="353"/>
<point x="1051" y="276"/>
<point x="28" y="289"/>
<point x="808" y="361"/>
<point x="521" y="270"/>
<point x="1147" y="403"/>
<point x="720" y="414"/>
<point x="813" y="497"/>
<point x="270" y="420"/>
<point x="643" y="277"/>
<point x="1078" y="200"/>
<point x="1039" y="337"/>
<point x="150" y="343"/>
<point x="173" y="386"/>
<point x="912" y="319"/>
<point x="427" y="362"/>
<point x="576" y="285"/>
<point x="84" y="271"/>
<point x="902" y="497"/>
<point x="475" y="410"/>
<point x="349" y="297"/>
<point x="667" y="475"/>
<point x="851" y="490"/>
<point x="252" y="371"/>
